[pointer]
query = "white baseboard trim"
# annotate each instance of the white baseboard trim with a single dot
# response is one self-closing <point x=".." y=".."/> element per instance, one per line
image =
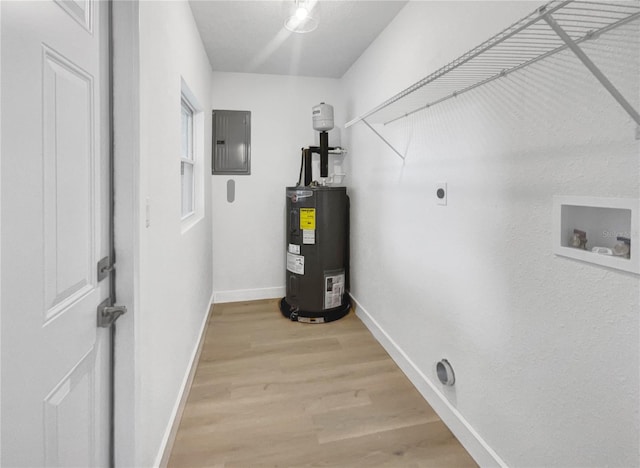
<point x="162" y="458"/>
<point x="481" y="452"/>
<point x="239" y="295"/>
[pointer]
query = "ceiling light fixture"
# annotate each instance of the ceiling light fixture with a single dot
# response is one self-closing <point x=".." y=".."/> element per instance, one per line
<point x="300" y="19"/>
<point x="302" y="13"/>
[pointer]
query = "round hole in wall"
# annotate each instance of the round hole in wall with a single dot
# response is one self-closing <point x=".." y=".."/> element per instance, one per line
<point x="445" y="373"/>
<point x="440" y="193"/>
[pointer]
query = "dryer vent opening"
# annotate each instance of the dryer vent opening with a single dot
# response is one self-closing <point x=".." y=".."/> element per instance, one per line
<point x="445" y="373"/>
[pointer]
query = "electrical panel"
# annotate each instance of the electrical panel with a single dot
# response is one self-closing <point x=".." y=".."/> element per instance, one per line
<point x="231" y="150"/>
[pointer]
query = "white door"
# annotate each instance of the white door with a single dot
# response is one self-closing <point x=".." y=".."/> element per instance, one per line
<point x="54" y="229"/>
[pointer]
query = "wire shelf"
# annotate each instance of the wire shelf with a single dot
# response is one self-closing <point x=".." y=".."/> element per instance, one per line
<point x="546" y="31"/>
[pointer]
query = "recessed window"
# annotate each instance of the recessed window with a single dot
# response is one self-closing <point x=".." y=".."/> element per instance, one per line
<point x="190" y="153"/>
<point x="187" y="160"/>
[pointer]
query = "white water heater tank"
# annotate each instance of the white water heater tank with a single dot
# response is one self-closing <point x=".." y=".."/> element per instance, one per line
<point x="322" y="117"/>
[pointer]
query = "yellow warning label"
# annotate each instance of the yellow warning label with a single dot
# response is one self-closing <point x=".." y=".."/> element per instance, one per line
<point x="307" y="218"/>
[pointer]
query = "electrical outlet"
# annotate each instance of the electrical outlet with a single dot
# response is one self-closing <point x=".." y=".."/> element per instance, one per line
<point x="441" y="193"/>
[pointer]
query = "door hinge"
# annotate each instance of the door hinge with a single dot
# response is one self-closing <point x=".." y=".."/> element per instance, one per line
<point x="104" y="268"/>
<point x="108" y="314"/>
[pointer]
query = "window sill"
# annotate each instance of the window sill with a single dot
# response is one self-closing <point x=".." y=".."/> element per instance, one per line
<point x="189" y="221"/>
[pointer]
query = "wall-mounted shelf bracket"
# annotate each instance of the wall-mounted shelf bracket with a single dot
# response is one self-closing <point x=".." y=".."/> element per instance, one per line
<point x="383" y="139"/>
<point x="593" y="68"/>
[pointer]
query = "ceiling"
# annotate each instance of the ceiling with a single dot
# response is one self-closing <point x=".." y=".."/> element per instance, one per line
<point x="249" y="35"/>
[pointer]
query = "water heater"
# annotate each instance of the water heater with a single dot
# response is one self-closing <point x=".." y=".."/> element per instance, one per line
<point x="317" y="240"/>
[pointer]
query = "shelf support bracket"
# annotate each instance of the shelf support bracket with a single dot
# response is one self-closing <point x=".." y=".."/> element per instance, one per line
<point x="383" y="139"/>
<point x="593" y="68"/>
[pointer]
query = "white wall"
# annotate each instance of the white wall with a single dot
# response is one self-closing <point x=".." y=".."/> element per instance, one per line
<point x="175" y="266"/>
<point x="545" y="349"/>
<point x="0" y="226"/>
<point x="248" y="234"/>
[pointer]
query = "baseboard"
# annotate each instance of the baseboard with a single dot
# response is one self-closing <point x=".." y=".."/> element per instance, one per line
<point x="162" y="459"/>
<point x="239" y="295"/>
<point x="481" y="452"/>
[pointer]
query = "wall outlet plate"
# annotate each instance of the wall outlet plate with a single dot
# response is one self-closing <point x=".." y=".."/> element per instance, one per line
<point x="441" y="193"/>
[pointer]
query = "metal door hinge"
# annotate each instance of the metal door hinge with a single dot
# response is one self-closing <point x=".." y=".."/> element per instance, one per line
<point x="104" y="268"/>
<point x="108" y="314"/>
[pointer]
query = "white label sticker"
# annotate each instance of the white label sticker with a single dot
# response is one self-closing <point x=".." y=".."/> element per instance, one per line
<point x="295" y="263"/>
<point x="311" y="319"/>
<point x="333" y="290"/>
<point x="294" y="249"/>
<point x="308" y="236"/>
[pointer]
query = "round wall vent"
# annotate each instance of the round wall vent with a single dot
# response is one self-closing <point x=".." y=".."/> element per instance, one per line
<point x="445" y="373"/>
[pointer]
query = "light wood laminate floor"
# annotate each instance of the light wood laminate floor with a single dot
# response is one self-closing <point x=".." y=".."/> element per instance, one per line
<point x="271" y="392"/>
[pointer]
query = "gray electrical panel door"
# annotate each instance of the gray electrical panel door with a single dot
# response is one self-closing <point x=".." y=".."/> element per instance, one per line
<point x="231" y="142"/>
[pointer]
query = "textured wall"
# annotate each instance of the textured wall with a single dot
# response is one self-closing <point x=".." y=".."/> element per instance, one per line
<point x="545" y="348"/>
<point x="175" y="258"/>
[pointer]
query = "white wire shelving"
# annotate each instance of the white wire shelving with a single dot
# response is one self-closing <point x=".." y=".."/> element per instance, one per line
<point x="554" y="27"/>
